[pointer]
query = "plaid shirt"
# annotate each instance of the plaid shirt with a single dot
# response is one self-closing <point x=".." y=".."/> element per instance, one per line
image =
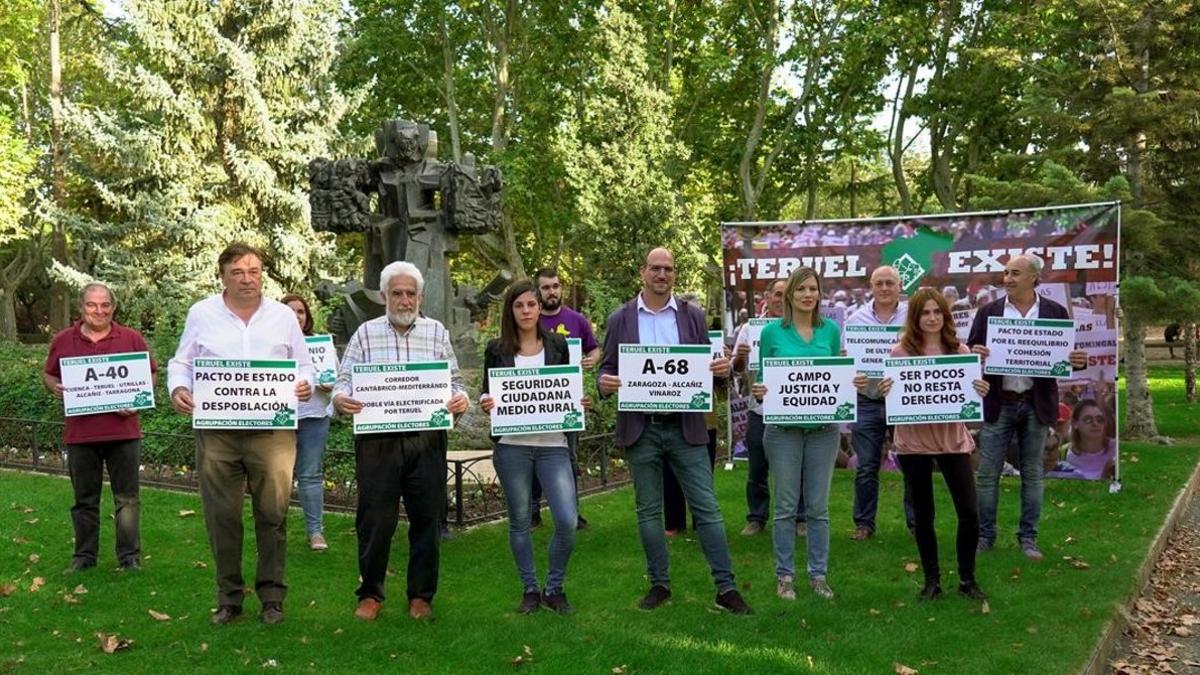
<point x="378" y="341"/>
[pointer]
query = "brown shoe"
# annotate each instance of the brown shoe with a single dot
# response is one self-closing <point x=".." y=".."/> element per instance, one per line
<point x="368" y="609"/>
<point x="419" y="609"/>
<point x="862" y="534"/>
<point x="226" y="614"/>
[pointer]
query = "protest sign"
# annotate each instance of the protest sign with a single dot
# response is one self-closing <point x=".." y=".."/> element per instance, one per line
<point x="97" y="384"/>
<point x="401" y="396"/>
<point x="244" y="394"/>
<point x="662" y="378"/>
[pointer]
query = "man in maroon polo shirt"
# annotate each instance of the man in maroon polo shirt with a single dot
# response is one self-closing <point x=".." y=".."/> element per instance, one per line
<point x="93" y="441"/>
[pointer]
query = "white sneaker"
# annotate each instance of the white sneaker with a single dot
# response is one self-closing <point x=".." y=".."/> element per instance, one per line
<point x="785" y="588"/>
<point x="317" y="542"/>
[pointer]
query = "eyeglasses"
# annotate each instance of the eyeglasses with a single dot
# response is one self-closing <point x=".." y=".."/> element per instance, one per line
<point x="661" y="269"/>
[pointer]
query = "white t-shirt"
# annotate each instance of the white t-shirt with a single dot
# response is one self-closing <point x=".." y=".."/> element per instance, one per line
<point x="550" y="439"/>
<point x="1019" y="383"/>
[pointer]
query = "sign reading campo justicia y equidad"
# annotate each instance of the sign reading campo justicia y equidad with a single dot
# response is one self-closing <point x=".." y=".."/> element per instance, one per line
<point x="665" y="378"/>
<point x="933" y="389"/>
<point x="402" y="396"/>
<point x="536" y="400"/>
<point x="244" y="394"/>
<point x="98" y="384"/>
<point x="814" y="389"/>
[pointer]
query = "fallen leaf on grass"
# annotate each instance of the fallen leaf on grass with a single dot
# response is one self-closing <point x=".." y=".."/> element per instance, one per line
<point x="199" y="564"/>
<point x="184" y="513"/>
<point x="32" y="521"/>
<point x="113" y="643"/>
<point x="901" y="669"/>
<point x="270" y="663"/>
<point x="38" y="582"/>
<point x="985" y="608"/>
<point x="33" y="558"/>
<point x="70" y="599"/>
<point x="7" y="590"/>
<point x="203" y="647"/>
<point x="873" y="612"/>
<point x="22" y="508"/>
<point x="911" y="567"/>
<point x="620" y="670"/>
<point x="1079" y="564"/>
<point x="158" y="616"/>
<point x="80" y="590"/>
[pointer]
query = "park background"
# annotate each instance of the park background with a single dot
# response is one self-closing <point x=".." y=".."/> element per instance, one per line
<point x="138" y="138"/>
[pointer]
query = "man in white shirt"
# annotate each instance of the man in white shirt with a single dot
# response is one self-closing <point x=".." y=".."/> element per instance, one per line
<point x="239" y="323"/>
<point x="408" y="465"/>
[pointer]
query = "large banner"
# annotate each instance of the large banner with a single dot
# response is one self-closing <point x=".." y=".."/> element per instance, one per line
<point x="963" y="255"/>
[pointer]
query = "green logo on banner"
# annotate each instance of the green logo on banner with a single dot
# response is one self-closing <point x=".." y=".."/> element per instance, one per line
<point x="1061" y="369"/>
<point x="327" y="376"/>
<point x="970" y="410"/>
<point x="844" y="411"/>
<point x="913" y="256"/>
<point x="283" y="418"/>
<point x="142" y="399"/>
<point x="440" y="418"/>
<point x="573" y="420"/>
<point x="699" y="400"/>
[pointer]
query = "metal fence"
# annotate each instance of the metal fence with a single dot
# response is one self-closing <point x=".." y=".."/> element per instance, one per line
<point x="167" y="461"/>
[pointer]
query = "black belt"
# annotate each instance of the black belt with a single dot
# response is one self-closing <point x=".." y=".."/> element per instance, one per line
<point x="662" y="418"/>
<point x="1016" y="396"/>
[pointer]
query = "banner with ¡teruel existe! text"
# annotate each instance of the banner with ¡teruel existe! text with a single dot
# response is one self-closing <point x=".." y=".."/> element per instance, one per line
<point x="962" y="255"/>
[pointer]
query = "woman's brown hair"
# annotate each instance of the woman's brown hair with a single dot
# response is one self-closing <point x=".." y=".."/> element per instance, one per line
<point x="911" y="340"/>
<point x="799" y="276"/>
<point x="307" y="328"/>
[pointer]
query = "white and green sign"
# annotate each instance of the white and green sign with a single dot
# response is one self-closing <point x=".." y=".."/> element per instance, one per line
<point x="402" y="396"/>
<point x="536" y="400"/>
<point x="665" y="378"/>
<point x="244" y="394"/>
<point x="755" y="327"/>
<point x="933" y="389"/>
<point x="1030" y="347"/>
<point x="324" y="358"/>
<point x="575" y="350"/>
<point x="717" y="339"/>
<point x="870" y="345"/>
<point x="99" y="384"/>
<point x="815" y="389"/>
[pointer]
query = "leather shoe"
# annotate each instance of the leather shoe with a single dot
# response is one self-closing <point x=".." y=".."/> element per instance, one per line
<point x="368" y="609"/>
<point x="272" y="613"/>
<point x="862" y="534"/>
<point x="226" y="614"/>
<point x="419" y="608"/>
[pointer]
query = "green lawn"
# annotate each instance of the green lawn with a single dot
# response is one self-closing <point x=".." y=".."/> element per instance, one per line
<point x="1043" y="617"/>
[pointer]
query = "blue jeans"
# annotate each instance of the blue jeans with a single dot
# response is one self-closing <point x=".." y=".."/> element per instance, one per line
<point x="867" y="436"/>
<point x="662" y="444"/>
<point x="801" y="457"/>
<point x="311" y="434"/>
<point x="758" y="492"/>
<point x="1020" y="418"/>
<point x="516" y="465"/>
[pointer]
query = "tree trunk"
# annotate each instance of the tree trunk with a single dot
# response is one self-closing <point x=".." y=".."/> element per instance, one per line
<point x="753" y="137"/>
<point x="60" y="305"/>
<point x="1139" y="418"/>
<point x="451" y="92"/>
<point x="899" y="117"/>
<point x="853" y="188"/>
<point x="1189" y="361"/>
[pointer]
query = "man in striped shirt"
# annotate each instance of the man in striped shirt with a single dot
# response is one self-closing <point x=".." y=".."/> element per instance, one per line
<point x="408" y="465"/>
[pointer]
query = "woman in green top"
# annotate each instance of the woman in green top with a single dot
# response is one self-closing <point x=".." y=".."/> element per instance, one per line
<point x="800" y="455"/>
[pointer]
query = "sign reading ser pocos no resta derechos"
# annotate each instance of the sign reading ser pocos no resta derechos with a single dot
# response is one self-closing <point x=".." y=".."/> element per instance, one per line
<point x="662" y="378"/>
<point x="241" y="394"/>
<point x="933" y="389"/>
<point x="536" y="400"/>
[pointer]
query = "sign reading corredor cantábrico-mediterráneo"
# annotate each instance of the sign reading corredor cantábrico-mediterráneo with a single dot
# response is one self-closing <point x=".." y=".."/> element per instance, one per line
<point x="402" y="396"/>
<point x="99" y="384"/>
<point x="664" y="378"/>
<point x="933" y="389"/>
<point x="244" y="394"/>
<point x="536" y="400"/>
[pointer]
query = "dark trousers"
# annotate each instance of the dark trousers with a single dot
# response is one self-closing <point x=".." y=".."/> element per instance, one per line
<point x="960" y="479"/>
<point x="674" y="504"/>
<point x="535" y="500"/>
<point x="390" y="467"/>
<point x="86" y="462"/>
<point x="758" y="491"/>
<point x="229" y="461"/>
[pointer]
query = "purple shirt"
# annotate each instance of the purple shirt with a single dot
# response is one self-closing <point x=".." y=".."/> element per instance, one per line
<point x="571" y="324"/>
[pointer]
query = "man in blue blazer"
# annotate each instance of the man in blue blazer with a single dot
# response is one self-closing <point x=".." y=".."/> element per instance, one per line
<point x="1022" y="406"/>
<point x="650" y="440"/>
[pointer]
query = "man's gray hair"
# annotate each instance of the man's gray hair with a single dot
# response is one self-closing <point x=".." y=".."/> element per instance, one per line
<point x="400" y="268"/>
<point x="96" y="285"/>
<point x="1035" y="263"/>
